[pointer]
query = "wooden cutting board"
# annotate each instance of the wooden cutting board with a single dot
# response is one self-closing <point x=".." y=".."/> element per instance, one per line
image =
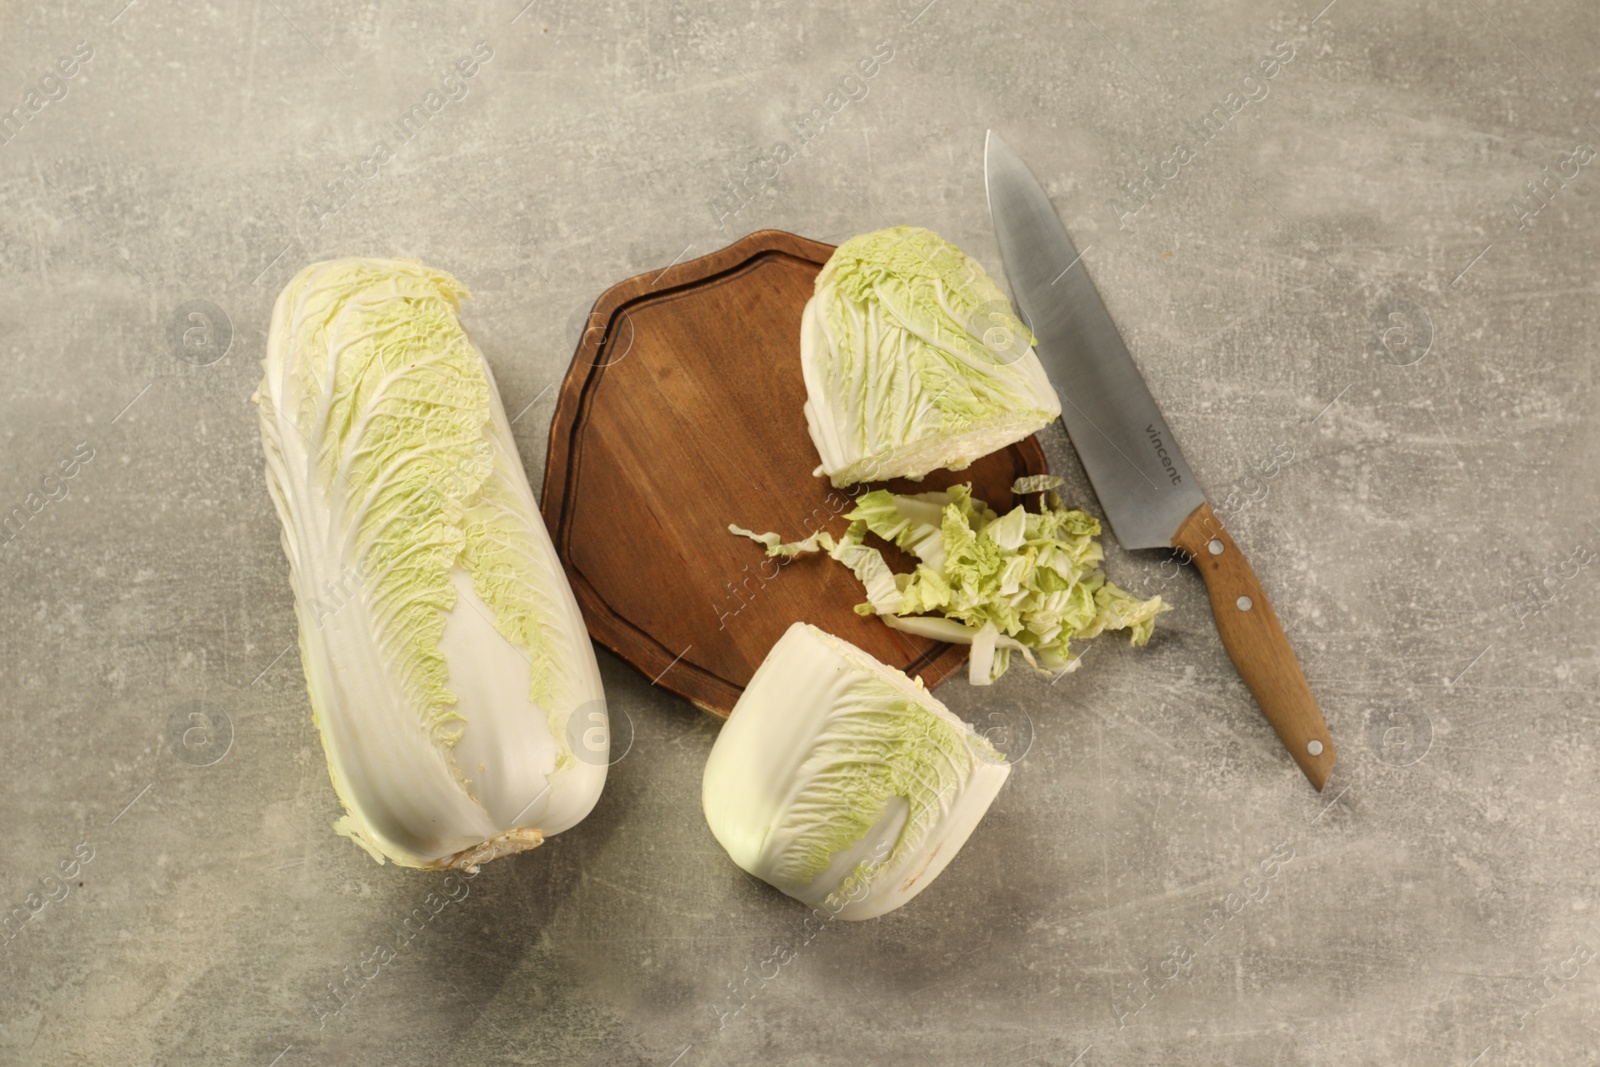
<point x="683" y="412"/>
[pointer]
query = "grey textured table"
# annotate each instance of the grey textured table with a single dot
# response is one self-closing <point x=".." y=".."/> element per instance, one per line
<point x="1373" y="337"/>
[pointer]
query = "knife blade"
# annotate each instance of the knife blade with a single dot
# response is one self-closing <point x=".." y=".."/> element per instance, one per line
<point x="1148" y="493"/>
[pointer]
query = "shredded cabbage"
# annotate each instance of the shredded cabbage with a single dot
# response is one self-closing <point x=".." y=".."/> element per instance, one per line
<point x="1026" y="582"/>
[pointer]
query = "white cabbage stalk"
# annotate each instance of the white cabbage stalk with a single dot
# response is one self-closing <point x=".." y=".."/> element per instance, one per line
<point x="450" y="674"/>
<point x="914" y="361"/>
<point x="839" y="780"/>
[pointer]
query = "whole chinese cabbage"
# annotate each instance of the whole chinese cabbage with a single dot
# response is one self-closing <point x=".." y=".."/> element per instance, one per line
<point x="450" y="676"/>
<point x="913" y="361"/>
<point x="841" y="781"/>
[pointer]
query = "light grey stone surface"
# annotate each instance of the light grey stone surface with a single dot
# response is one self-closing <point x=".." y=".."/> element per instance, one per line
<point x="1437" y="905"/>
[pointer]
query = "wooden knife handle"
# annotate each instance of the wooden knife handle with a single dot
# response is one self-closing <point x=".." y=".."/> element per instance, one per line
<point x="1257" y="644"/>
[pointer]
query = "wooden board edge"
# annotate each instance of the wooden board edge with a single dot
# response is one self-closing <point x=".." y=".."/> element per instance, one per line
<point x="583" y="370"/>
<point x="665" y="669"/>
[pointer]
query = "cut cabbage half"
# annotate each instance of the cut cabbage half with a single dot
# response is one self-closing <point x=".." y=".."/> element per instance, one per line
<point x="914" y="361"/>
<point x="841" y="781"/>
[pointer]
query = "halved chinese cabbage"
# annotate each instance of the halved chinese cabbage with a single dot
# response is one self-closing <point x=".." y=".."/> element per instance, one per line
<point x="841" y="781"/>
<point x="450" y="674"/>
<point x="914" y="361"/>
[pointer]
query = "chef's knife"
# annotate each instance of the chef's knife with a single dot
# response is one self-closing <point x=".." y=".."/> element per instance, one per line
<point x="1145" y="487"/>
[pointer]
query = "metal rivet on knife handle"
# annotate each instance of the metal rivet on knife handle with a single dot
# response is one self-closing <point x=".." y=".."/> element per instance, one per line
<point x="1256" y="642"/>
